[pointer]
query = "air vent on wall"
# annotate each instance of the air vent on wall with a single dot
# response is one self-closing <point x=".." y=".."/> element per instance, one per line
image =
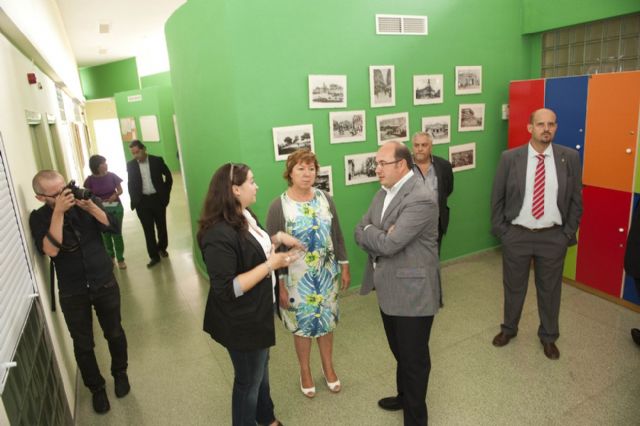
<point x="401" y="25"/>
<point x="104" y="28"/>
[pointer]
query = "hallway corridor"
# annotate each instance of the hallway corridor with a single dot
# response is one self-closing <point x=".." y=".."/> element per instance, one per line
<point x="179" y="376"/>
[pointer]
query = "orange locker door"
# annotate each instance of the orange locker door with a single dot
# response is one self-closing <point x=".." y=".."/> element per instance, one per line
<point x="524" y="97"/>
<point x="613" y="104"/>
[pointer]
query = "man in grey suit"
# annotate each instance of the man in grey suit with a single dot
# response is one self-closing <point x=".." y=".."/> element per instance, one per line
<point x="400" y="234"/>
<point x="536" y="208"/>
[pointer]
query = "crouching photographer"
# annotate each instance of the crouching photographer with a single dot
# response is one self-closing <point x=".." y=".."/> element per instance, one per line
<point x="67" y="228"/>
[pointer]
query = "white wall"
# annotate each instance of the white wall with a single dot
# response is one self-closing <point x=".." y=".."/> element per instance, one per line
<point x="17" y="97"/>
<point x="41" y="23"/>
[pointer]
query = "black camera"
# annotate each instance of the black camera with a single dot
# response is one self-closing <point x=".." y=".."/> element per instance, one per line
<point x="78" y="193"/>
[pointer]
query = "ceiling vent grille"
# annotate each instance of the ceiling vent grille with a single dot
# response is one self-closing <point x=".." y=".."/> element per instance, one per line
<point x="401" y="25"/>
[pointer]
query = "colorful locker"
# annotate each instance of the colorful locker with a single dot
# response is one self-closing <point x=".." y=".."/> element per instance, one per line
<point x="567" y="96"/>
<point x="524" y="97"/>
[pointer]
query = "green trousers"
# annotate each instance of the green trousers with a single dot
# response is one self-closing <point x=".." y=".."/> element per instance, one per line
<point x="113" y="242"/>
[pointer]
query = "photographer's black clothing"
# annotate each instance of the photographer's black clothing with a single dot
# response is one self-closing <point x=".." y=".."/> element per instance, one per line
<point x="85" y="280"/>
<point x="83" y="262"/>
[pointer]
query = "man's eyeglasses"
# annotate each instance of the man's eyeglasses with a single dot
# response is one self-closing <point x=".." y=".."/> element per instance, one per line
<point x="385" y="163"/>
<point x="52" y="196"/>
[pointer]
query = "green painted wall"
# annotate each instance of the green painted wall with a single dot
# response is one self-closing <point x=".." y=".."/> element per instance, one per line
<point x="543" y="15"/>
<point x="232" y="87"/>
<point x="156" y="101"/>
<point x="160" y="79"/>
<point x="102" y="81"/>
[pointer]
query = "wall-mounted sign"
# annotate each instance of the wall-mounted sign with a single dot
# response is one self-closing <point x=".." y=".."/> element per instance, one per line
<point x="134" y="98"/>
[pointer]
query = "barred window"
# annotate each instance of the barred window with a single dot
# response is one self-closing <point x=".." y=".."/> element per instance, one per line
<point x="609" y="45"/>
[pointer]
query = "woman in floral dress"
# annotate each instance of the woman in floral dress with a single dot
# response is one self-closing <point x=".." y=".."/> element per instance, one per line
<point x="309" y="286"/>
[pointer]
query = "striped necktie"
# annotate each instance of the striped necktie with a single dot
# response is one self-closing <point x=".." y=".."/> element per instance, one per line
<point x="538" y="189"/>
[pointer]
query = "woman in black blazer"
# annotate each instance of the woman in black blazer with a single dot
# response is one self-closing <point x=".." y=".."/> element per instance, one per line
<point x="240" y="258"/>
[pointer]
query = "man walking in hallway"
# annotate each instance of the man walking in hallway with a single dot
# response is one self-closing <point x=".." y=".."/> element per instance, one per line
<point x="399" y="232"/>
<point x="68" y="228"/>
<point x="437" y="174"/>
<point x="150" y="184"/>
<point x="536" y="208"/>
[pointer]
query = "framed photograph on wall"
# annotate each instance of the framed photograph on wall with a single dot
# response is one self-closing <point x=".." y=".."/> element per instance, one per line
<point x="428" y="89"/>
<point x="382" y="86"/>
<point x="470" y="117"/>
<point x="128" y="129"/>
<point x="463" y="157"/>
<point x="324" y="179"/>
<point x="360" y="168"/>
<point x="149" y="128"/>
<point x="288" y="139"/>
<point x="393" y="127"/>
<point x="468" y="79"/>
<point x="347" y="126"/>
<point x="438" y="127"/>
<point x="327" y="91"/>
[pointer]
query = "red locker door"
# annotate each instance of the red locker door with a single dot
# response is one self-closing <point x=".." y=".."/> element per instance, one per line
<point x="524" y="97"/>
<point x="603" y="232"/>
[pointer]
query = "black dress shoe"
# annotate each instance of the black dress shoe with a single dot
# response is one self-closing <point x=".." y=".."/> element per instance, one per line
<point x="163" y="253"/>
<point x="550" y="350"/>
<point x="122" y="386"/>
<point x="153" y="262"/>
<point x="502" y="339"/>
<point x="391" y="403"/>
<point x="100" y="402"/>
<point x="635" y="335"/>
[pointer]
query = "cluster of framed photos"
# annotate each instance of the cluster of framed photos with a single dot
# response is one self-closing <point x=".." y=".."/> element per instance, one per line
<point x="330" y="91"/>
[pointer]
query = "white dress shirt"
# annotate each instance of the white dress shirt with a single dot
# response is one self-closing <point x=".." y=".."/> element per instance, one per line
<point x="551" y="214"/>
<point x="145" y="173"/>
<point x="391" y="192"/>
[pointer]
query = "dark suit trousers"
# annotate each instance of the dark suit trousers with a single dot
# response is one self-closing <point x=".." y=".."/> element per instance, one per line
<point x="153" y="215"/>
<point x="547" y="249"/>
<point x="408" y="339"/>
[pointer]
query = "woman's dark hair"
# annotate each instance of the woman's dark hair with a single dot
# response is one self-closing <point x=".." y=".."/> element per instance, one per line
<point x="220" y="205"/>
<point x="94" y="163"/>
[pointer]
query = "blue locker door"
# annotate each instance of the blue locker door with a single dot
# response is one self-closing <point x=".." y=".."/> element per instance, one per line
<point x="567" y="96"/>
<point x="630" y="292"/>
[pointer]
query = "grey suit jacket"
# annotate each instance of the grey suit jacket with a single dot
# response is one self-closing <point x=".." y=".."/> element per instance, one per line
<point x="407" y="273"/>
<point x="509" y="186"/>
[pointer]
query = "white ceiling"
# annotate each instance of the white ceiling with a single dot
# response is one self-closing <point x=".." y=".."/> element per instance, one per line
<point x="137" y="28"/>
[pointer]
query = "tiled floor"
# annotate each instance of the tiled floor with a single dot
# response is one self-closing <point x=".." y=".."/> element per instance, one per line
<point x="179" y="376"/>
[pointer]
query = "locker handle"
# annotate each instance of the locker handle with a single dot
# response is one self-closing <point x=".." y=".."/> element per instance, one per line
<point x="578" y="146"/>
<point x="580" y="130"/>
<point x="620" y="229"/>
<point x="628" y="150"/>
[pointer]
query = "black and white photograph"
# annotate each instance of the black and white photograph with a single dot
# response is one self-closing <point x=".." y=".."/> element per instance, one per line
<point x="327" y="91"/>
<point x="438" y="127"/>
<point x="382" y="85"/>
<point x="347" y="126"/>
<point x="470" y="117"/>
<point x="463" y="157"/>
<point x="393" y="127"/>
<point x="468" y="80"/>
<point x="288" y="139"/>
<point x="360" y="168"/>
<point x="324" y="180"/>
<point x="428" y="89"/>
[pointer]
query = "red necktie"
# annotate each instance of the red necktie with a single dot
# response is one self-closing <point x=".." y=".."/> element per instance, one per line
<point x="538" y="189"/>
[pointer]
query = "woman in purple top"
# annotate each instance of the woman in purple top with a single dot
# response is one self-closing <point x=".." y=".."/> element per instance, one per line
<point x="106" y="186"/>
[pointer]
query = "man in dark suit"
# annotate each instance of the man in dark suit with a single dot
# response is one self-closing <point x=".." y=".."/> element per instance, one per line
<point x="150" y="184"/>
<point x="437" y="174"/>
<point x="536" y="208"/>
<point x="632" y="259"/>
<point x="399" y="232"/>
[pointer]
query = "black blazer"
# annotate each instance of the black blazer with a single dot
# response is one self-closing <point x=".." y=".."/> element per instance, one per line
<point x="158" y="169"/>
<point x="241" y="323"/>
<point x="632" y="255"/>
<point x="444" y="175"/>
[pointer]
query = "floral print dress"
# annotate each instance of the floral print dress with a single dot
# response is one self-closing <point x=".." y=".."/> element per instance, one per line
<point x="313" y="279"/>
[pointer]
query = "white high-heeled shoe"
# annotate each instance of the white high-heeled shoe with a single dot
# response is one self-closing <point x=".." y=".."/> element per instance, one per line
<point x="308" y="392"/>
<point x="334" y="387"/>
